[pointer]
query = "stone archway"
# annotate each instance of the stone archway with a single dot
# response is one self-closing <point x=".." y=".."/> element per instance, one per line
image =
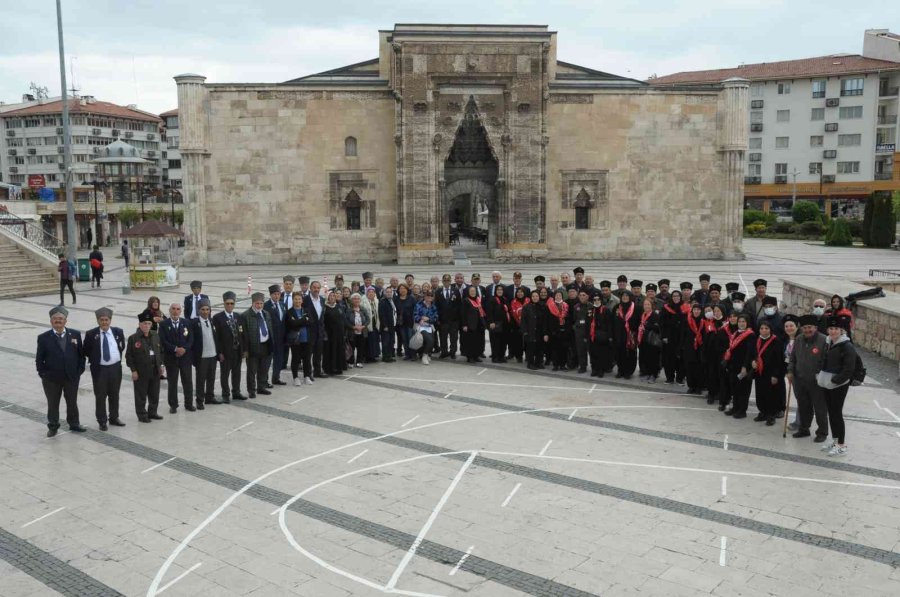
<point x="474" y="197"/>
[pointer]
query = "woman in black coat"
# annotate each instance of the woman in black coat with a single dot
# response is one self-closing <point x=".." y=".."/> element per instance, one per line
<point x="472" y="326"/>
<point x="333" y="356"/>
<point x="514" y="337"/>
<point x="692" y="350"/>
<point x="739" y="358"/>
<point x="835" y="377"/>
<point x="768" y="369"/>
<point x="496" y="312"/>
<point x="601" y="338"/>
<point x="713" y="350"/>
<point x="387" y="323"/>
<point x="560" y="329"/>
<point x="649" y="355"/>
<point x="534" y="331"/>
<point x="296" y="322"/>
<point x="405" y="304"/>
<point x="671" y="325"/>
<point x="626" y="321"/>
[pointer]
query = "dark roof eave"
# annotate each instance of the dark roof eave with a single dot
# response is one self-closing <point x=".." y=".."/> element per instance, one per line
<point x="338" y="70"/>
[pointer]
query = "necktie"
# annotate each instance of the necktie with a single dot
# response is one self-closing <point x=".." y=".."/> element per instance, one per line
<point x="105" y="346"/>
<point x="263" y="329"/>
<point x="446" y="294"/>
<point x="206" y="321"/>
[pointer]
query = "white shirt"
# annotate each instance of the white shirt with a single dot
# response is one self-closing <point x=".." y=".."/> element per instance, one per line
<point x="114" y="355"/>
<point x="195" y="312"/>
<point x="317" y="305"/>
<point x="209" y="342"/>
<point x="262" y="337"/>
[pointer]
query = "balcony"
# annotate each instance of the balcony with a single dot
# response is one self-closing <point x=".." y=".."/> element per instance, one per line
<point x="781" y="179"/>
<point x="756" y="104"/>
<point x="888" y="91"/>
<point x="752" y="180"/>
<point x="884" y="175"/>
<point x="846" y="92"/>
<point x="885" y="147"/>
<point x="831" y="127"/>
<point x="887" y="119"/>
<point x="754" y="157"/>
<point x="817" y="94"/>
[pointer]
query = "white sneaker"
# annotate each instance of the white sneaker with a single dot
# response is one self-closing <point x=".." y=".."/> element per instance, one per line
<point x="828" y="446"/>
<point x="298" y="381"/>
<point x="426" y="360"/>
<point x="359" y="365"/>
<point x="308" y="381"/>
<point x="838" y="451"/>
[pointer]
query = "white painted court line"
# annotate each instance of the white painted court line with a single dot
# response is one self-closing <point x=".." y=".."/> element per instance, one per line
<point x="159" y="464"/>
<point x="724" y="485"/>
<point x="11" y="405"/>
<point x="890" y="412"/>
<point x="407" y="558"/>
<point x="593" y="387"/>
<point x="572" y="415"/>
<point x="511" y="494"/>
<point x="357" y="456"/>
<point x="722" y="552"/>
<point x="350" y="377"/>
<point x="299" y="399"/>
<point x="514" y="385"/>
<point x="725" y="443"/>
<point x="878" y="406"/>
<point x="462" y="559"/>
<point x="482" y="371"/>
<point x="28" y="524"/>
<point x="239" y="428"/>
<point x="746" y="288"/>
<point x="544" y="449"/>
<point x="179" y="577"/>
<point x="448" y="394"/>
<point x="410" y="421"/>
<point x="898" y="433"/>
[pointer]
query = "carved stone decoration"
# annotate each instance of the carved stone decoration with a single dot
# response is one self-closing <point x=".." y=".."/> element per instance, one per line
<point x="471" y="64"/>
<point x="583" y="199"/>
<point x="524" y="108"/>
<point x="471" y="146"/>
<point x="398" y="140"/>
<point x="488" y="106"/>
<point x="420" y="107"/>
<point x="506" y="139"/>
<point x="436" y="141"/>
<point x="454" y="106"/>
<point x="545" y="140"/>
<point x="397" y="95"/>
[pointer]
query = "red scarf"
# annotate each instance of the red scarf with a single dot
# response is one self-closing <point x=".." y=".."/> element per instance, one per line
<point x="697" y="330"/>
<point x="594" y="321"/>
<point x="560" y="312"/>
<point x="728" y="331"/>
<point x="685" y="308"/>
<point x="710" y="326"/>
<point x="476" y="302"/>
<point x="735" y="340"/>
<point x="504" y="305"/>
<point x="760" y="349"/>
<point x="669" y="308"/>
<point x="516" y="307"/>
<point x="644" y="318"/>
<point x="629" y="337"/>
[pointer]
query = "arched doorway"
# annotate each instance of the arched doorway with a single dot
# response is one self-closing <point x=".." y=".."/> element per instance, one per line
<point x="470" y="172"/>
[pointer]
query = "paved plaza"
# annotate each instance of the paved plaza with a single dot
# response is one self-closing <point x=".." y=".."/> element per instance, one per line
<point x="450" y="479"/>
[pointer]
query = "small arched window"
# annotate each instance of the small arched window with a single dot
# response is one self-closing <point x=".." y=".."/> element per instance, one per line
<point x="583" y="210"/>
<point x="352" y="206"/>
<point x="350" y="147"/>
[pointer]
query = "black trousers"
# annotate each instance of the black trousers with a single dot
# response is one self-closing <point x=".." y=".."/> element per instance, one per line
<point x="387" y="344"/>
<point x="693" y="371"/>
<point x="498" y="346"/>
<point x="671" y="362"/>
<point x="448" y="337"/>
<point x="835" y="399"/>
<point x="316" y="346"/>
<point x="230" y="375"/>
<point x="516" y="343"/>
<point x="811" y="400"/>
<point x="767" y="400"/>
<point x="206" y="379"/>
<point x="582" y="335"/>
<point x="626" y="360"/>
<point x="713" y="378"/>
<point x="54" y="391"/>
<point x="473" y="343"/>
<point x="146" y="393"/>
<point x="534" y="352"/>
<point x="559" y="347"/>
<point x="63" y="284"/>
<point x="107" y="381"/>
<point x="648" y="359"/>
<point x="96" y="276"/>
<point x="174" y="367"/>
<point x="601" y="357"/>
<point x="257" y="370"/>
<point x="360" y="346"/>
<point x="741" y="391"/>
<point x="275" y="360"/>
<point x="300" y="352"/>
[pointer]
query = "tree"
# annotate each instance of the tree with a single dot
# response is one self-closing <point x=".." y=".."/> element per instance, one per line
<point x="884" y="223"/>
<point x="867" y="220"/>
<point x="838" y="234"/>
<point x="128" y="216"/>
<point x="805" y="211"/>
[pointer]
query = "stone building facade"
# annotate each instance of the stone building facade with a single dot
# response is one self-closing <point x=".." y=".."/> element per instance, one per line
<point x="370" y="162"/>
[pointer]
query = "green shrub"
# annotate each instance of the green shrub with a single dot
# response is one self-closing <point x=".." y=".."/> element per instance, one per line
<point x="811" y="228"/>
<point x="856" y="227"/>
<point x="867" y="220"/>
<point x="755" y="229"/>
<point x="839" y="233"/>
<point x="896" y="202"/>
<point x="805" y="211"/>
<point x="752" y="216"/>
<point x="783" y="227"/>
<point x="884" y="224"/>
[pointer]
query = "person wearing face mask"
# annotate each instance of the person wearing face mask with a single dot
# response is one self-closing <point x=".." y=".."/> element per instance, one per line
<point x="739" y="358"/>
<point x="818" y="310"/>
<point x="713" y="349"/>
<point x="672" y="325"/>
<point x="725" y="335"/>
<point x="834" y="378"/>
<point x="768" y="370"/>
<point x="692" y="350"/>
<point x="739" y="306"/>
<point x="843" y="314"/>
<point x="804" y="363"/>
<point x="772" y="316"/>
<point x="730" y="288"/>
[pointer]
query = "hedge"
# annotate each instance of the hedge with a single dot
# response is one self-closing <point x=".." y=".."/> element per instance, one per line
<point x="884" y="224"/>
<point x="805" y="211"/>
<point x="838" y="234"/>
<point x="752" y="216"/>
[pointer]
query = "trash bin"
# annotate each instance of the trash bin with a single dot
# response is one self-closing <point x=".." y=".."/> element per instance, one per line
<point x="84" y="270"/>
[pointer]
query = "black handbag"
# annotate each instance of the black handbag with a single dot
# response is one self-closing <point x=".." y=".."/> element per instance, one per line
<point x="654" y="339"/>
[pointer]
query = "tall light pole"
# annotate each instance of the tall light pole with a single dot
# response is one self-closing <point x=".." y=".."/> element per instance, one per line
<point x="67" y="142"/>
<point x="794" y="194"/>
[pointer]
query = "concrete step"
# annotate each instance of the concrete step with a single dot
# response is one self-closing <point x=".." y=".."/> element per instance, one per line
<point x="24" y="274"/>
<point x="23" y="291"/>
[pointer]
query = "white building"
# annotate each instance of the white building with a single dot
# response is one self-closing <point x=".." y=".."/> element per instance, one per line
<point x="828" y="124"/>
<point x="172" y="165"/>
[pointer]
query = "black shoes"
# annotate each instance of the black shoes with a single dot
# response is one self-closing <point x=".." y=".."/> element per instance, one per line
<point x="269" y="386"/>
<point x="103" y="427"/>
<point x="51" y="432"/>
<point x="729" y="412"/>
<point x="77" y="428"/>
<point x="239" y="397"/>
<point x="739" y="415"/>
<point x="320" y="375"/>
<point x="173" y="410"/>
<point x="200" y="406"/>
<point x="213" y="401"/>
<point x="252" y="396"/>
<point x="798" y="434"/>
<point x="116" y="422"/>
<point x="278" y="382"/>
<point x="263" y="391"/>
<point x="144" y="419"/>
<point x="820" y="438"/>
<point x="189" y="408"/>
<point x="759" y="417"/>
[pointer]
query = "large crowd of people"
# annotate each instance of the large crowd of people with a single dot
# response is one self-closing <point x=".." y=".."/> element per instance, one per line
<point x="716" y="343"/>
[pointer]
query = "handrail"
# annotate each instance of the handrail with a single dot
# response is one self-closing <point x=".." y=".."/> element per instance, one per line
<point x="31" y="234"/>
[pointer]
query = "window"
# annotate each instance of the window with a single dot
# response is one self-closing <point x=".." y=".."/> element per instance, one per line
<point x="174" y="164"/>
<point x="15" y="142"/>
<point x="782" y="142"/>
<point x="754" y="170"/>
<point x="52" y="140"/>
<point x="756" y="90"/>
<point x="19" y="160"/>
<point x="783" y="116"/>
<point x="14" y="123"/>
<point x="755" y="142"/>
<point x="816" y="141"/>
<point x="815" y="167"/>
<point x="850" y="112"/>
<point x="818" y="88"/>
<point x="582" y="218"/>
<point x="848" y="167"/>
<point x="852" y="86"/>
<point x="352" y="206"/>
<point x="849" y="140"/>
<point x="817" y="114"/>
<point x="34" y="141"/>
<point x="32" y="122"/>
<point x="780" y="169"/>
<point x="756" y="117"/>
<point x="171" y="122"/>
<point x="784" y="88"/>
<point x="350" y="147"/>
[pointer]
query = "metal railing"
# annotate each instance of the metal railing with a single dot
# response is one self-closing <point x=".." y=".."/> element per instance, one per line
<point x="31" y="234"/>
<point x="884" y="175"/>
<point x="884" y="273"/>
<point x="887" y="119"/>
<point x="888" y="91"/>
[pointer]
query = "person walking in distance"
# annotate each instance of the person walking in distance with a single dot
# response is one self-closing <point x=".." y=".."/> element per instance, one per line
<point x="67" y="275"/>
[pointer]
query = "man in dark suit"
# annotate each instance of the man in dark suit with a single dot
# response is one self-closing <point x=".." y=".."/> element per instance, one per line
<point x="314" y="305"/>
<point x="287" y="284"/>
<point x="449" y="305"/>
<point x="205" y="355"/>
<point x="144" y="357"/>
<point x="229" y="331"/>
<point x="191" y="311"/>
<point x="177" y="341"/>
<point x="104" y="347"/>
<point x="479" y="289"/>
<point x="60" y="363"/>
<point x="511" y="289"/>
<point x="276" y="315"/>
<point x="491" y="288"/>
<point x="257" y="345"/>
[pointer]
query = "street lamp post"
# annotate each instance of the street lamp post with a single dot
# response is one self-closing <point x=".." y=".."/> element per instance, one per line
<point x="794" y="193"/>
<point x="67" y="142"/>
<point x="172" y="203"/>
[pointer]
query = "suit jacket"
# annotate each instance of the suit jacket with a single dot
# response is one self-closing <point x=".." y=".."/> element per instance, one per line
<point x="449" y="310"/>
<point x="277" y="318"/>
<point x="229" y="337"/>
<point x="489" y="290"/>
<point x="754" y="307"/>
<point x="56" y="365"/>
<point x="172" y="338"/>
<point x="138" y="357"/>
<point x="252" y="345"/>
<point x="510" y="292"/>
<point x="482" y="291"/>
<point x="93" y="346"/>
<point x="197" y="332"/>
<point x="188" y="311"/>
<point x="316" y="323"/>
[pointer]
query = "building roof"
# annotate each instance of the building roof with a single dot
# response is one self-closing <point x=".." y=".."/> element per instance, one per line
<point x="821" y="66"/>
<point x="152" y="229"/>
<point x="83" y="106"/>
<point x="172" y="112"/>
<point x="119" y="152"/>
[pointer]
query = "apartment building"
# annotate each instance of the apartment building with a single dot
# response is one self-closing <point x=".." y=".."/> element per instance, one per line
<point x="172" y="166"/>
<point x="823" y="129"/>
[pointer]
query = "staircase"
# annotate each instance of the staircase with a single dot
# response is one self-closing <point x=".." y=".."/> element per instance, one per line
<point x="27" y="259"/>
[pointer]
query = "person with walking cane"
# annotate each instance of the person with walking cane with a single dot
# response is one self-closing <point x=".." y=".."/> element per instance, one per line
<point x="804" y="364"/>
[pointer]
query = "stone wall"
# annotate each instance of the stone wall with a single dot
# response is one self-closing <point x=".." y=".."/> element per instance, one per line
<point x="876" y="321"/>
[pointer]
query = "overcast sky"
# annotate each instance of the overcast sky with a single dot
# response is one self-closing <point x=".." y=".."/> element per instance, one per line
<point x="127" y="51"/>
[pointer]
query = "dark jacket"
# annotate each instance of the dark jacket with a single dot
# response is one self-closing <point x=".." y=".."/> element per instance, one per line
<point x="387" y="321"/>
<point x="450" y="310"/>
<point x="316" y="324"/>
<point x="840" y="359"/>
<point x="602" y="321"/>
<point x="651" y="325"/>
<point x="276" y="330"/>
<point x="229" y="337"/>
<point x="471" y="318"/>
<point x="93" y="346"/>
<point x="137" y="354"/>
<point x="496" y="311"/>
<point x="350" y="319"/>
<point x="510" y="292"/>
<point x="672" y="325"/>
<point x="405" y="307"/>
<point x="743" y="355"/>
<point x="197" y="348"/>
<point x="173" y="338"/>
<point x="619" y="319"/>
<point x="55" y="365"/>
<point x="534" y="322"/>
<point x="188" y="311"/>
<point x="807" y="357"/>
<point x="296" y="326"/>
<point x="772" y="358"/>
<point x="252" y="345"/>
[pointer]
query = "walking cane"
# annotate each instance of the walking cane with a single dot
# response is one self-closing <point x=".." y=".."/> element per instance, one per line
<point x="787" y="409"/>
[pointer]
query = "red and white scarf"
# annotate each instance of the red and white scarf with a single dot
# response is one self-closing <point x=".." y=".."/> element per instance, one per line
<point x="504" y="305"/>
<point x="559" y="310"/>
<point x="736" y="339"/>
<point x="626" y="317"/>
<point x="644" y="318"/>
<point x="760" y="349"/>
<point x="516" y="307"/>
<point x="697" y="330"/>
<point x="476" y="302"/>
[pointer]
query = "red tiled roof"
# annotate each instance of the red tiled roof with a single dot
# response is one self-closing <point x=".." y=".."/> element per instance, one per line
<point x="820" y="66"/>
<point x="76" y="107"/>
<point x="173" y="112"/>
